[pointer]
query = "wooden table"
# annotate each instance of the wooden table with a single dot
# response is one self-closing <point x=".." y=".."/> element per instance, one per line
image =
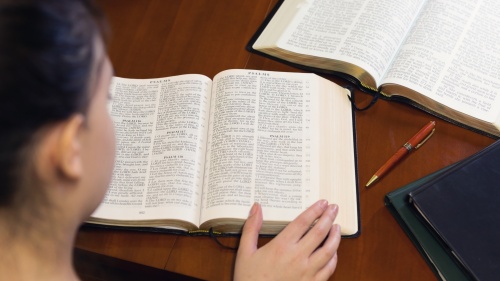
<point x="157" y="38"/>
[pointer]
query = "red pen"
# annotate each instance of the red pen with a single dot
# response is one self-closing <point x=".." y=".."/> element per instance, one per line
<point x="414" y="143"/>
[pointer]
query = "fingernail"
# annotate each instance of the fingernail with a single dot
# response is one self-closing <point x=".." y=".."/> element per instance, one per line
<point x="323" y="203"/>
<point x="253" y="209"/>
<point x="337" y="227"/>
<point x="335" y="208"/>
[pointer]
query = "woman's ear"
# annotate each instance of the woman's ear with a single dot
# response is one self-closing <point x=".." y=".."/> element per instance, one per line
<point x="59" y="152"/>
<point x="69" y="151"/>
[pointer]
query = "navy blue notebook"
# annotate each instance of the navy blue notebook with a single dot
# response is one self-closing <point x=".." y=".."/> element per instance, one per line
<point x="437" y="256"/>
<point x="462" y="206"/>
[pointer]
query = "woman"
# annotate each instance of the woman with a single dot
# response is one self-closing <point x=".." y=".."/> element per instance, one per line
<point x="57" y="151"/>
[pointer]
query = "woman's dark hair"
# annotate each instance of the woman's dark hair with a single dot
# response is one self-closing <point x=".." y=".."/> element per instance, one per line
<point x="46" y="60"/>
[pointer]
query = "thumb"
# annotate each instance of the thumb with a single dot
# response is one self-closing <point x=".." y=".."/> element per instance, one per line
<point x="250" y="233"/>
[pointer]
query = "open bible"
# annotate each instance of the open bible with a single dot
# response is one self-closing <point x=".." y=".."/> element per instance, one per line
<point x="194" y="154"/>
<point x="438" y="55"/>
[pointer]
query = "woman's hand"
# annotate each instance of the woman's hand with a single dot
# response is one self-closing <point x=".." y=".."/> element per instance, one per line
<point x="299" y="252"/>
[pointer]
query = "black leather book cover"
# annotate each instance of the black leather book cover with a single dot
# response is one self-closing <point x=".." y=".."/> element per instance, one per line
<point x="462" y="205"/>
<point x="440" y="260"/>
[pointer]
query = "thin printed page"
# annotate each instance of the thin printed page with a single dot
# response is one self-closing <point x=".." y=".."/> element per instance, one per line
<point x="365" y="33"/>
<point x="453" y="57"/>
<point x="263" y="145"/>
<point x="161" y="129"/>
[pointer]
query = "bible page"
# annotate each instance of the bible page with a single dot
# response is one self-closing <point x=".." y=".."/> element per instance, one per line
<point x="265" y="146"/>
<point x="452" y="58"/>
<point x="363" y="33"/>
<point x="161" y="126"/>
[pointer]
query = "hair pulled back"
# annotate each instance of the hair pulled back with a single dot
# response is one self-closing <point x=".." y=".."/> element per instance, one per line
<point x="46" y="60"/>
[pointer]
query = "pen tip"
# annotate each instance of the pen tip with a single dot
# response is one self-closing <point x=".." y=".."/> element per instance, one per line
<point x="372" y="180"/>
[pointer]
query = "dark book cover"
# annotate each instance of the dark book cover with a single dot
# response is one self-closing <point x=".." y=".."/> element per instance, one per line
<point x="462" y="206"/>
<point x="441" y="262"/>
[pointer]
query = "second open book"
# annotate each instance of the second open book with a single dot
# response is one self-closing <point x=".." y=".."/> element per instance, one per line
<point x="439" y="55"/>
<point x="194" y="154"/>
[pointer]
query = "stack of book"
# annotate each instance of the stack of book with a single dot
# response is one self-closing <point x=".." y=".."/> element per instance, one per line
<point x="453" y="217"/>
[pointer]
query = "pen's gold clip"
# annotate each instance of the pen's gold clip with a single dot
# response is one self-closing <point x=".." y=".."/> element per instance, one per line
<point x="422" y="142"/>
